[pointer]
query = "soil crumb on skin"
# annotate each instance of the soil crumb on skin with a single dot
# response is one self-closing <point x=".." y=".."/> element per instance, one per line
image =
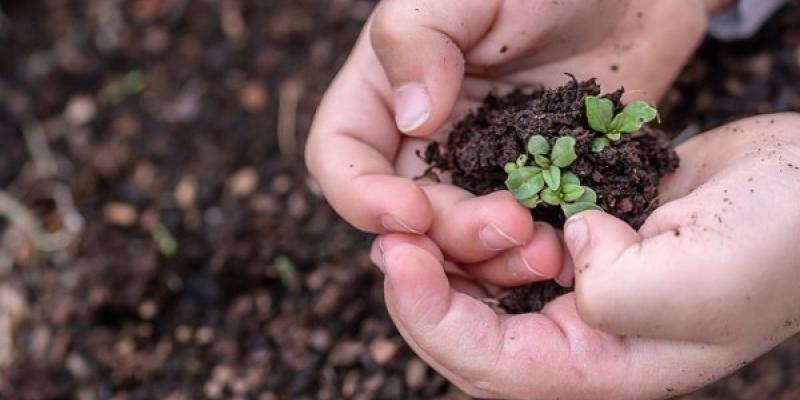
<point x="625" y="175"/>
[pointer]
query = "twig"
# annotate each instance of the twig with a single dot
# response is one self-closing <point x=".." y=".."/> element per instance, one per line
<point x="289" y="96"/>
<point x="6" y="338"/>
<point x="43" y="158"/>
<point x="23" y="219"/>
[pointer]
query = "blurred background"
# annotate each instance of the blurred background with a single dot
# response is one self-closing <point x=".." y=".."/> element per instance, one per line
<point x="160" y="238"/>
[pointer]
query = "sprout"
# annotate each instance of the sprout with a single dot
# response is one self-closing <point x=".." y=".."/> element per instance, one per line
<point x="600" y="114"/>
<point x="544" y="182"/>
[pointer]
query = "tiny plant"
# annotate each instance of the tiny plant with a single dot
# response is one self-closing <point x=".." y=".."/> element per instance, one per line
<point x="544" y="182"/>
<point x="600" y="113"/>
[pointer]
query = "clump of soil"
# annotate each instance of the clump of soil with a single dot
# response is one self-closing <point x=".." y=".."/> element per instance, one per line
<point x="625" y="175"/>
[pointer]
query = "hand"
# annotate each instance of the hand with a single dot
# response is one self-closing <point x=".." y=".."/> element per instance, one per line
<point x="421" y="64"/>
<point x="710" y="282"/>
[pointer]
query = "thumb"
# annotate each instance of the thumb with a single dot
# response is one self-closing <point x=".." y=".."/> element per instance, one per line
<point x="597" y="242"/>
<point x="652" y="285"/>
<point x="419" y="44"/>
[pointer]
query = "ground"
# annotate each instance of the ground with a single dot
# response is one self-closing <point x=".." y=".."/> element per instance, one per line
<point x="183" y="251"/>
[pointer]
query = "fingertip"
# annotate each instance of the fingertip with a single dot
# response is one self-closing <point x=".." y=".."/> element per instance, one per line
<point x="544" y="253"/>
<point x="500" y="222"/>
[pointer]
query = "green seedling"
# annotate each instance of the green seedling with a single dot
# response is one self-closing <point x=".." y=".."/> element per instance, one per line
<point x="600" y="113"/>
<point x="544" y="182"/>
<point x="167" y="244"/>
<point x="571" y="196"/>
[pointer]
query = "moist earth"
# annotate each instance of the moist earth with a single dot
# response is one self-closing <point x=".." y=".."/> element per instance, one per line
<point x="625" y="175"/>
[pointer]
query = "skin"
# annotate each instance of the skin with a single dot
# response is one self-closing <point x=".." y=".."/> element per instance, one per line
<point x="710" y="282"/>
<point x="455" y="52"/>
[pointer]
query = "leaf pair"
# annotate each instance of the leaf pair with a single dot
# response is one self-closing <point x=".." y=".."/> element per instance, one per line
<point x="600" y="114"/>
<point x="527" y="181"/>
<point x="544" y="182"/>
<point x="571" y="196"/>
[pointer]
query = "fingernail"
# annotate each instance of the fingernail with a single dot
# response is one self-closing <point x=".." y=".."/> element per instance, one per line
<point x="519" y="267"/>
<point x="394" y="224"/>
<point x="562" y="282"/>
<point x="412" y="106"/>
<point x="493" y="238"/>
<point x="576" y="234"/>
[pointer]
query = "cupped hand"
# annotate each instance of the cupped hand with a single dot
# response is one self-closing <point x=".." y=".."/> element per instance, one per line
<point x="710" y="281"/>
<point x="419" y="65"/>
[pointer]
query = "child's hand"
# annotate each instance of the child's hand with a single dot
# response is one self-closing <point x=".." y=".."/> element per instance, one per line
<point x="711" y="281"/>
<point x="419" y="65"/>
<point x="719" y="261"/>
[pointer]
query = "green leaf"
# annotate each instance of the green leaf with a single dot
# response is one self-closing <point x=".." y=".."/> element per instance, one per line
<point x="622" y="123"/>
<point x="520" y="175"/>
<point x="551" y="197"/>
<point x="564" y="152"/>
<point x="522" y="160"/>
<point x="541" y="161"/>
<point x="571" y="209"/>
<point x="537" y="145"/>
<point x="640" y="112"/>
<point x="632" y="117"/>
<point x="166" y="242"/>
<point x="510" y="167"/>
<point x="599" y="144"/>
<point x="555" y="173"/>
<point x="568" y="178"/>
<point x="532" y="202"/>
<point x="572" y="192"/>
<point x="526" y="184"/>
<point x="599" y="113"/>
<point x="552" y="177"/>
<point x="589" y="196"/>
<point x="614" y="136"/>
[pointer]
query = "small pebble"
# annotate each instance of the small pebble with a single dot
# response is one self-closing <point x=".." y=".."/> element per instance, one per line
<point x="244" y="182"/>
<point x="253" y="97"/>
<point x="416" y="370"/>
<point x="382" y="350"/>
<point x="120" y="214"/>
<point x="186" y="192"/>
<point x="80" y="110"/>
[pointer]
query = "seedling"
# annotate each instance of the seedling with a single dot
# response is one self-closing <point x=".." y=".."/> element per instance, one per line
<point x="544" y="182"/>
<point x="600" y="113"/>
<point x="571" y="196"/>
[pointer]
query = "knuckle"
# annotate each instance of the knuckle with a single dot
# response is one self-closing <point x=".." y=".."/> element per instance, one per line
<point x="386" y="28"/>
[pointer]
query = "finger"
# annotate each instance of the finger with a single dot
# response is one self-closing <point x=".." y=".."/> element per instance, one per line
<point x="553" y="354"/>
<point x="382" y="242"/>
<point x="697" y="260"/>
<point x="419" y="44"/>
<point x="351" y="149"/>
<point x="472" y="229"/>
<point x="615" y="62"/>
<point x="566" y="277"/>
<point x="539" y="260"/>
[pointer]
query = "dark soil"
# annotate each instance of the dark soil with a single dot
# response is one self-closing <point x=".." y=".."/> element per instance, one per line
<point x="625" y="175"/>
<point x="226" y="316"/>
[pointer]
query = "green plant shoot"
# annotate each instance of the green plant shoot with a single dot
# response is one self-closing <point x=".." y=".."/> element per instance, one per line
<point x="544" y="182"/>
<point x="601" y="118"/>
